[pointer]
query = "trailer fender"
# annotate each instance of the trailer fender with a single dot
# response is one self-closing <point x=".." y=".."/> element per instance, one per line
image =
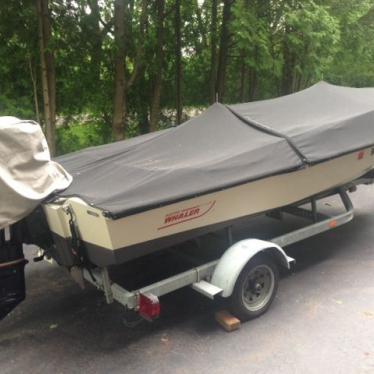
<point x="238" y="255"/>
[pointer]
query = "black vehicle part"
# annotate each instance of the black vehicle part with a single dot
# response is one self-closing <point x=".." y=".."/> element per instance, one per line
<point x="12" y="275"/>
<point x="36" y="231"/>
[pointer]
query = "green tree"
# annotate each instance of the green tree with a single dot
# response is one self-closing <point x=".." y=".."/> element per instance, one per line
<point x="117" y="68"/>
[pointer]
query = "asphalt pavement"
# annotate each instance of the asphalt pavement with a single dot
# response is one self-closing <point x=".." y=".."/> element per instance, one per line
<point x="322" y="320"/>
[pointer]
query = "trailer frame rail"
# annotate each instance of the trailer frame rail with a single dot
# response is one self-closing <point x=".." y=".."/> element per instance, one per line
<point x="198" y="277"/>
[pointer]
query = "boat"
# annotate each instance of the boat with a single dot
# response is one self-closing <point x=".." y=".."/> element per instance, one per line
<point x="134" y="197"/>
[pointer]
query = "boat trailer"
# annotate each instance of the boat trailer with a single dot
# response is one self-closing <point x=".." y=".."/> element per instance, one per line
<point x="221" y="277"/>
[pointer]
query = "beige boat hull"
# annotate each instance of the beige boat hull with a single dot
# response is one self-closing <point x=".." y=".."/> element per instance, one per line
<point x="207" y="210"/>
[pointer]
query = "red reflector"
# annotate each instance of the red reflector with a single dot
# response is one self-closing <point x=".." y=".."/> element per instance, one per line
<point x="333" y="224"/>
<point x="149" y="306"/>
<point x="360" y="155"/>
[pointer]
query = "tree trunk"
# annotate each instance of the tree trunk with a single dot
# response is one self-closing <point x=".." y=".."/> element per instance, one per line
<point x="138" y="74"/>
<point x="178" y="61"/>
<point x="142" y="100"/>
<point x="97" y="41"/>
<point x="201" y="34"/>
<point x="139" y="58"/>
<point x="252" y="83"/>
<point x="155" y="104"/>
<point x="119" y="104"/>
<point x="142" y="112"/>
<point x="242" y="77"/>
<point x="288" y="67"/>
<point x="34" y="90"/>
<point x="48" y="73"/>
<point x="253" y="77"/>
<point x="213" y="54"/>
<point x="223" y="50"/>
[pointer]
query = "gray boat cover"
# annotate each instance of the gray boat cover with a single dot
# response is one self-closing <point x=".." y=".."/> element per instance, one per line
<point x="27" y="173"/>
<point x="223" y="147"/>
<point x="322" y="122"/>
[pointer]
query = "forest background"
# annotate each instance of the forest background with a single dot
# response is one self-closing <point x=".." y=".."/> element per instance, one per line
<point x="94" y="71"/>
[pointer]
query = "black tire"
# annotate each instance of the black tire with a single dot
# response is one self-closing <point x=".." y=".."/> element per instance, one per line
<point x="255" y="288"/>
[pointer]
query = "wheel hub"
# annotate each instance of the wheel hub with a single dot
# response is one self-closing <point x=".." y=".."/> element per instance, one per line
<point x="258" y="287"/>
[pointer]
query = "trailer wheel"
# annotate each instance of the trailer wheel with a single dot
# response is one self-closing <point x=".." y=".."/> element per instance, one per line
<point x="255" y="288"/>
